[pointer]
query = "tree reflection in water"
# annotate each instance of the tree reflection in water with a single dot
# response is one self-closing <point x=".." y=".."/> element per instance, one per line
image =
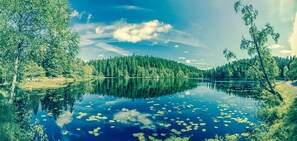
<point x="15" y="121"/>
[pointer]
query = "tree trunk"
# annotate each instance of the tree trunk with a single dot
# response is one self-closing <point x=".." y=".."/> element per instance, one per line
<point x="263" y="68"/>
<point x="14" y="80"/>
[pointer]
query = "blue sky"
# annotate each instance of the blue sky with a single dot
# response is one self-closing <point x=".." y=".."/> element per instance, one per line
<point x="194" y="32"/>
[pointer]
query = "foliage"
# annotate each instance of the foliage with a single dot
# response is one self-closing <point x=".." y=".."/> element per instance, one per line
<point x="31" y="70"/>
<point x="264" y="66"/>
<point x="292" y="73"/>
<point x="241" y="70"/>
<point x="36" y="31"/>
<point x="80" y="70"/>
<point x="143" y="66"/>
<point x="279" y="118"/>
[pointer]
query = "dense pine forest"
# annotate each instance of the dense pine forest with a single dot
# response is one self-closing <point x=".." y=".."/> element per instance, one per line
<point x="143" y="66"/>
<point x="242" y="70"/>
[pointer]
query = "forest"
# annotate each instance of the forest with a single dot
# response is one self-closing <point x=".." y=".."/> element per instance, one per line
<point x="242" y="70"/>
<point x="143" y="66"/>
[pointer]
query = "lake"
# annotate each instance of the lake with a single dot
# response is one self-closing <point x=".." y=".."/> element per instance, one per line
<point x="141" y="109"/>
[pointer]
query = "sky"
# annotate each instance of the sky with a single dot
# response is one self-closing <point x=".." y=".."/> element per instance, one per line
<point x="194" y="32"/>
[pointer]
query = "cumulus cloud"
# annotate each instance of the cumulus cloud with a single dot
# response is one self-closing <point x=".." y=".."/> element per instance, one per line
<point x="138" y="32"/>
<point x="293" y="37"/>
<point x="157" y="32"/>
<point x="275" y="46"/>
<point x="133" y="117"/>
<point x="100" y="35"/>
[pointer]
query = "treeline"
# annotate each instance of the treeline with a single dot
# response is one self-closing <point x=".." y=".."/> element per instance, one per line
<point x="242" y="70"/>
<point x="126" y="66"/>
<point x="143" y="66"/>
<point x="72" y="68"/>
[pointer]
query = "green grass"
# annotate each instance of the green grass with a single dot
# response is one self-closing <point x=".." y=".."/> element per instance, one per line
<point x="45" y="83"/>
<point x="50" y="83"/>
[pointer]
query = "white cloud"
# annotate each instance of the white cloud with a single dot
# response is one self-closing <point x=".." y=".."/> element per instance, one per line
<point x="132" y="7"/>
<point x="74" y="13"/>
<point x="293" y="37"/>
<point x="64" y="119"/>
<point x="188" y="61"/>
<point x="286" y="51"/>
<point x="180" y="37"/>
<point x="135" y="117"/>
<point x="181" y="58"/>
<point x="84" y="42"/>
<point x="138" y="32"/>
<point x="113" y="49"/>
<point x="186" y="51"/>
<point x="94" y="35"/>
<point x="194" y="61"/>
<point x="275" y="46"/>
<point x="89" y="18"/>
<point x="176" y="46"/>
<point x="142" y="31"/>
<point x="99" y="30"/>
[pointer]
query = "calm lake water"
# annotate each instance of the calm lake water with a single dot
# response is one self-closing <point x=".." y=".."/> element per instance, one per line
<point x="142" y="109"/>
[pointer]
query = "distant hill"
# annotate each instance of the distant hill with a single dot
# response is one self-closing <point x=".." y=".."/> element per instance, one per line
<point x="143" y="66"/>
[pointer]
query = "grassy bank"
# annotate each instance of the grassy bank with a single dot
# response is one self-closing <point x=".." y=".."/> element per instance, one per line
<point x="45" y="82"/>
<point x="280" y="120"/>
<point x="49" y="83"/>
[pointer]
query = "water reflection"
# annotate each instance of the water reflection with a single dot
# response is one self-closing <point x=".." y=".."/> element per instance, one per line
<point x="59" y="104"/>
<point x="245" y="89"/>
